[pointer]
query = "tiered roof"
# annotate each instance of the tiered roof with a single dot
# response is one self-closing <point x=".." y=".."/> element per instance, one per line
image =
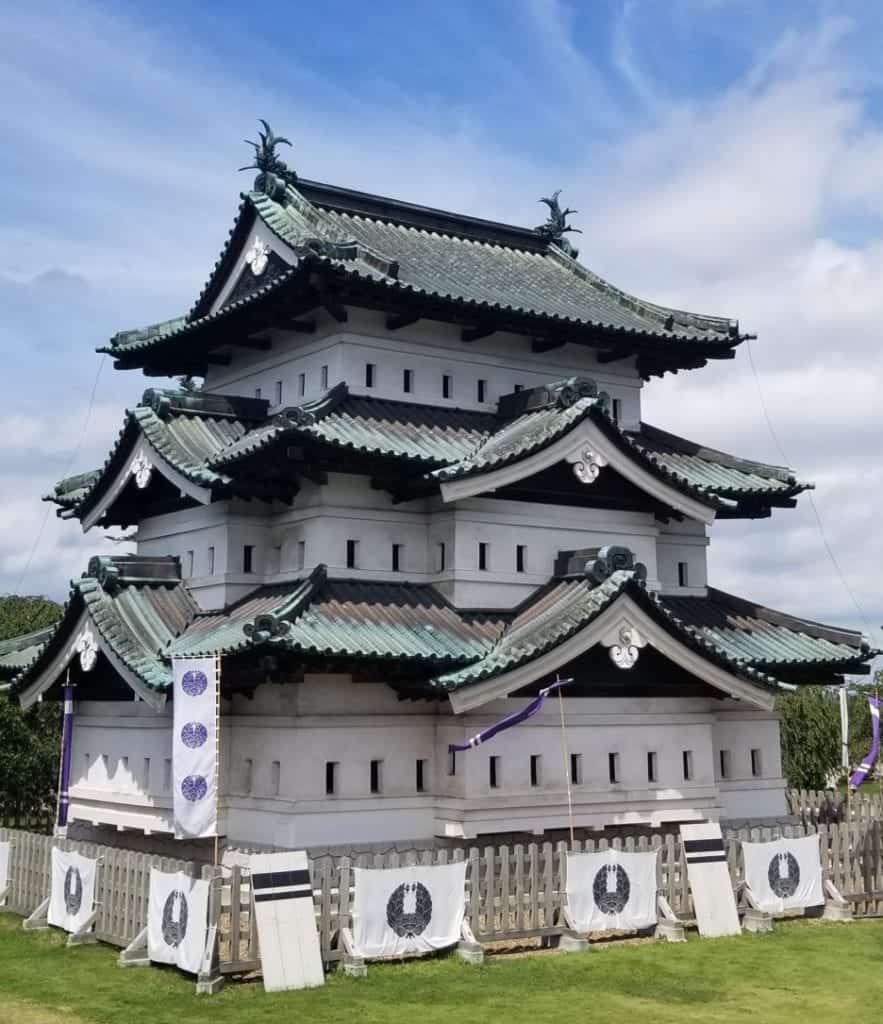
<point x="349" y="248"/>
<point x="409" y="634"/>
<point x="229" y="446"/>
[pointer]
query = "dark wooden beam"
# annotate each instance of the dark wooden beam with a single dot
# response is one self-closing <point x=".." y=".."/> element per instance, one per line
<point x="546" y="344"/>
<point x="218" y="359"/>
<point x="613" y="355"/>
<point x="479" y="331"/>
<point x="303" y="326"/>
<point x="396" y="321"/>
<point x="261" y="344"/>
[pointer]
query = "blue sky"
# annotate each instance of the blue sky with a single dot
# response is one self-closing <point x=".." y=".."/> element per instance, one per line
<point x="725" y="156"/>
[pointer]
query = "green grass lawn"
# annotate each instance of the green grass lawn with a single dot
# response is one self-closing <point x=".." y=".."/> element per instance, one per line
<point x="804" y="971"/>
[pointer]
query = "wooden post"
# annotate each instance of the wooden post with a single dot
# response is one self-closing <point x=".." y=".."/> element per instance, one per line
<point x="566" y="753"/>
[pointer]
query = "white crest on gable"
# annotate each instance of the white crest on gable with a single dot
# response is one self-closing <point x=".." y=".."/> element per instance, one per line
<point x="624" y="644"/>
<point x="142" y="470"/>
<point x="587" y="465"/>
<point x="258" y="256"/>
<point x="87" y="647"/>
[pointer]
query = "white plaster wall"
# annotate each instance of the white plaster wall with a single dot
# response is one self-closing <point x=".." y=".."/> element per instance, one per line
<point x="430" y="349"/>
<point x="328" y="718"/>
<point x="688" y="542"/>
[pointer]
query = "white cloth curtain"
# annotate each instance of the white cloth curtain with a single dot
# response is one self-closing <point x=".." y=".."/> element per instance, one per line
<point x="408" y="910"/>
<point x="72" y="889"/>
<point x="785" y="874"/>
<point x="177" y="919"/>
<point x="611" y="890"/>
<point x="194" y="747"/>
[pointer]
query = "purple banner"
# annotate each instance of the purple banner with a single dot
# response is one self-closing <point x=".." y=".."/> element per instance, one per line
<point x="64" y="775"/>
<point x="514" y="719"/>
<point x="861" y="773"/>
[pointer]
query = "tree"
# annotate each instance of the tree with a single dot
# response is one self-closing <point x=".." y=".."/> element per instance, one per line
<point x="29" y="740"/>
<point x="810" y="736"/>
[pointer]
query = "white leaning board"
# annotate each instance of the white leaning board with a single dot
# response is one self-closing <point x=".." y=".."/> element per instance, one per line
<point x="286" y="921"/>
<point x="713" y="899"/>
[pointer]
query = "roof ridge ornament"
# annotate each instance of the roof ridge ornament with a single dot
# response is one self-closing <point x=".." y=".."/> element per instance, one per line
<point x="556" y="226"/>
<point x="274" y="174"/>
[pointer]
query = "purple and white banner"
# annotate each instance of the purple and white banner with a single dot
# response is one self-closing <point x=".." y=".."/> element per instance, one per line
<point x="516" y="718"/>
<point x="194" y="747"/>
<point x="64" y="771"/>
<point x="861" y="773"/>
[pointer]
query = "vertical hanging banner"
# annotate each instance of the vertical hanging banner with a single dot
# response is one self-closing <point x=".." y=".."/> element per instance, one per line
<point x="194" y="747"/>
<point x="72" y="891"/>
<point x="64" y="770"/>
<point x="408" y="910"/>
<point x="710" y="883"/>
<point x="611" y="890"/>
<point x="785" y="874"/>
<point x="177" y="919"/>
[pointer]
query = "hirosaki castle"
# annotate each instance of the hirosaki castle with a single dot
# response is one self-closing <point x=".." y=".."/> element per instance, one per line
<point x="415" y="488"/>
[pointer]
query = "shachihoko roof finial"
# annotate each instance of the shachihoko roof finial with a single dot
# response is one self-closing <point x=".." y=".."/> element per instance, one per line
<point x="556" y="226"/>
<point x="274" y="174"/>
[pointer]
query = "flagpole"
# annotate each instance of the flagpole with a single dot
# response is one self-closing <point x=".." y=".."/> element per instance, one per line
<point x="217" y="751"/>
<point x="566" y="754"/>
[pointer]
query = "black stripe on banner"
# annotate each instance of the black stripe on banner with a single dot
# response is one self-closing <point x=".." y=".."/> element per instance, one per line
<point x="702" y="845"/>
<point x="291" y="895"/>
<point x="712" y="858"/>
<point x="273" y="879"/>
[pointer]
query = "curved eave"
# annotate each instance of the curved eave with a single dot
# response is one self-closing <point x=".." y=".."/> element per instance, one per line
<point x="632" y="606"/>
<point x="585" y="435"/>
<point x="93" y="508"/>
<point x="60" y="651"/>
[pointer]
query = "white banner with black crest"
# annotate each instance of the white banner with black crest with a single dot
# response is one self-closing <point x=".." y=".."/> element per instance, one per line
<point x="785" y="874"/>
<point x="72" y="889"/>
<point x="177" y="919"/>
<point x="194" y="747"/>
<point x="408" y="910"/>
<point x="611" y="890"/>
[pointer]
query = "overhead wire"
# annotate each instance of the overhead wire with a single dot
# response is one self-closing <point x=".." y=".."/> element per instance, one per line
<point x="786" y="461"/>
<point x="70" y="462"/>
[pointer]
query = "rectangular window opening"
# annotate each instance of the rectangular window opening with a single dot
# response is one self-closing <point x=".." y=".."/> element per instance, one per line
<point x="447" y="386"/>
<point x="756" y="766"/>
<point x="652" y="769"/>
<point x="494" y="771"/>
<point x="301" y="384"/>
<point x="420" y="775"/>
<point x="211" y="561"/>
<point x="576" y="769"/>
<point x="535" y="764"/>
<point x="167" y="775"/>
<point x="397" y="557"/>
<point x="376" y="776"/>
<point x="257" y="392"/>
<point x="613" y="767"/>
<point x="188" y="563"/>
<point x="518" y="387"/>
<point x="278" y="392"/>
<point x="481" y="390"/>
<point x="370" y="375"/>
<point x="331" y="768"/>
<point x="407" y="381"/>
<point x="441" y="556"/>
<point x="687" y="758"/>
<point x="725" y="764"/>
<point x="682" y="574"/>
<point x="452" y="762"/>
<point x="145" y="773"/>
<point x="483" y="555"/>
<point x="617" y="410"/>
<point x="275" y="777"/>
<point x="248" y="558"/>
<point x="301" y="554"/>
<point x="352" y="549"/>
<point x="521" y="558"/>
<point x="323" y="378"/>
<point x="247" y="775"/>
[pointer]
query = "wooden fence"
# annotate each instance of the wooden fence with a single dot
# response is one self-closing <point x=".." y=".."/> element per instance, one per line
<point x="513" y="892"/>
<point x="831" y="807"/>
